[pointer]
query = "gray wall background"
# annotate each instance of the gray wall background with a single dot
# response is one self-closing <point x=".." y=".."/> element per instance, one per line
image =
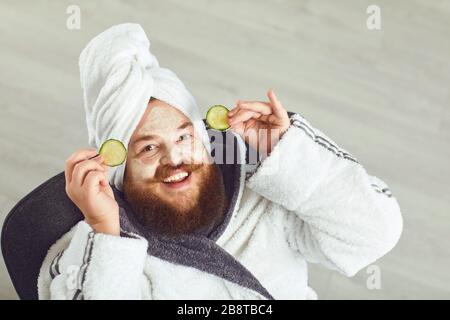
<point x="382" y="95"/>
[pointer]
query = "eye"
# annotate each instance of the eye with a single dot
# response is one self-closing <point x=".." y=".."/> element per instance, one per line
<point x="149" y="148"/>
<point x="185" y="137"/>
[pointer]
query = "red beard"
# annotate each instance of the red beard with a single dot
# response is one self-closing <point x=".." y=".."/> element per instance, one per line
<point x="205" y="210"/>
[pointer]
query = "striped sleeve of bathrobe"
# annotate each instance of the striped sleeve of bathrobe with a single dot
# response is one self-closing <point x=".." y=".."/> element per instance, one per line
<point x="337" y="213"/>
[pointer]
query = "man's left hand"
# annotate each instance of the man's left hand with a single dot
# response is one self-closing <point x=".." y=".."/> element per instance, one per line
<point x="261" y="124"/>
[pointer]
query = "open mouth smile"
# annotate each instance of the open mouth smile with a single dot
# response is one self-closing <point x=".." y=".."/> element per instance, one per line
<point x="177" y="180"/>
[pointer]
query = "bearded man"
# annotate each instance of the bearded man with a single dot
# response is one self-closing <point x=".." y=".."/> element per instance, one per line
<point x="176" y="221"/>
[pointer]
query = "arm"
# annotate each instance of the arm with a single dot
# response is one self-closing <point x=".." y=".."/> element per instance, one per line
<point x="92" y="265"/>
<point x="338" y="215"/>
<point x="99" y="261"/>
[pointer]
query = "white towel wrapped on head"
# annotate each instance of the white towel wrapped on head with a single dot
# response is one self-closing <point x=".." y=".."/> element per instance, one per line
<point x="119" y="75"/>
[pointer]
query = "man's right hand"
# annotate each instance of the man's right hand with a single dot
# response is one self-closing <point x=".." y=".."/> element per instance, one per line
<point x="88" y="187"/>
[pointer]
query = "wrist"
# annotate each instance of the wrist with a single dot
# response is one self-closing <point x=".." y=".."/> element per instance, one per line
<point x="274" y="136"/>
<point x="110" y="226"/>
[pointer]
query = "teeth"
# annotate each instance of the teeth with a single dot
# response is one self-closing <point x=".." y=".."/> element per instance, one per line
<point x="176" y="177"/>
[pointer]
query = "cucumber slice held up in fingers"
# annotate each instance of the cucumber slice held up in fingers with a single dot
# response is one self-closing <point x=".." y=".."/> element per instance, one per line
<point x="217" y="117"/>
<point x="113" y="152"/>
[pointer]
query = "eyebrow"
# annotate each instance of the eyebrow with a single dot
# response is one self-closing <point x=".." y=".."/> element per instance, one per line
<point x="151" y="136"/>
<point x="184" y="125"/>
<point x="144" y="137"/>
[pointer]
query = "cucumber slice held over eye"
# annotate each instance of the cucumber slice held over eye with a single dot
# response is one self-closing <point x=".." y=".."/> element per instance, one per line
<point x="217" y="117"/>
<point x="113" y="152"/>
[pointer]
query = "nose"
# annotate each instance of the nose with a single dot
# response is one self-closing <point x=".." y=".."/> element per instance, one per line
<point x="172" y="157"/>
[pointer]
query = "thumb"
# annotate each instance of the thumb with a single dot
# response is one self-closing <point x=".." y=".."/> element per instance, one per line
<point x="106" y="187"/>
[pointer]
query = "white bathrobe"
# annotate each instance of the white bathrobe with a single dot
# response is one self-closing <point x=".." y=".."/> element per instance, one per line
<point x="309" y="201"/>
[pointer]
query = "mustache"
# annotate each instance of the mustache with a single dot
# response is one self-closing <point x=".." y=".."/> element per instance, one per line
<point x="166" y="171"/>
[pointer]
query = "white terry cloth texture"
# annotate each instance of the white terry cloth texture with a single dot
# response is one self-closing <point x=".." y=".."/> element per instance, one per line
<point x="119" y="75"/>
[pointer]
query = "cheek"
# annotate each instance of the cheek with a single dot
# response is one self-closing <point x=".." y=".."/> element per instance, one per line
<point x="143" y="169"/>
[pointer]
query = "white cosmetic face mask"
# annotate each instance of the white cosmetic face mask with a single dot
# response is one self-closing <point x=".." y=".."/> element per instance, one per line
<point x="163" y="123"/>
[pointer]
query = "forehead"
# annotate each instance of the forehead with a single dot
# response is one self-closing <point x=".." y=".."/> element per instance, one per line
<point x="159" y="116"/>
